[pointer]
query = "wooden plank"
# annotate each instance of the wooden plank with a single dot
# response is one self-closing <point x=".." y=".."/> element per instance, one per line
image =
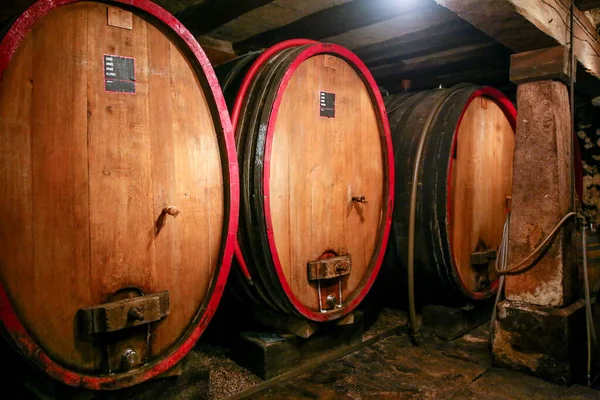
<point x="524" y="25"/>
<point x="175" y="6"/>
<point x="493" y="75"/>
<point x="167" y="241"/>
<point x="444" y="58"/>
<point x="368" y="172"/>
<point x="430" y="39"/>
<point x="120" y="165"/>
<point x="186" y="173"/>
<point x="208" y="15"/>
<point x="120" y="18"/>
<point x="446" y="61"/>
<point x="271" y="353"/>
<point x="537" y="65"/>
<point x="123" y="314"/>
<point x="483" y="180"/>
<point x="270" y="16"/>
<point x="329" y="191"/>
<point x="120" y="169"/>
<point x="316" y="168"/>
<point x="196" y="188"/>
<point x="217" y="51"/>
<point x="61" y="280"/>
<point x="585" y="5"/>
<point x="332" y="21"/>
<point x="430" y="15"/>
<point x="221" y="45"/>
<point x="16" y="230"/>
<point x="292" y="324"/>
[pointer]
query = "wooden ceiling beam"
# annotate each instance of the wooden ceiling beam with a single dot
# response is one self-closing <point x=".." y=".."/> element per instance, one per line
<point x="524" y="25"/>
<point x="432" y="39"/>
<point x="198" y="16"/>
<point x="212" y="14"/>
<point x="217" y="51"/>
<point x="334" y="21"/>
<point x="428" y="14"/>
<point x="466" y="57"/>
<point x="586" y="5"/>
<point x="472" y="54"/>
<point x="494" y="76"/>
<point x="174" y="6"/>
<point x="428" y="36"/>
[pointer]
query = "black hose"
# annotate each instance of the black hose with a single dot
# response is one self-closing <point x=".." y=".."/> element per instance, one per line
<point x="520" y="268"/>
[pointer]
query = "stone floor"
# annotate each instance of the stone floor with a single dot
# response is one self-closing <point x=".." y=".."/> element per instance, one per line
<point x="392" y="368"/>
<point x="228" y="378"/>
<point x="395" y="369"/>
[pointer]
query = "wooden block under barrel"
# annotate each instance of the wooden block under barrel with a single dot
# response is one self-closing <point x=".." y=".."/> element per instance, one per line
<point x="452" y="322"/>
<point x="269" y="353"/>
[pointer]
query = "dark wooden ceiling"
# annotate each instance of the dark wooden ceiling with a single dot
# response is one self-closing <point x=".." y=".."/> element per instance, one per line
<point x="398" y="39"/>
<point x="411" y="39"/>
<point x="585" y="5"/>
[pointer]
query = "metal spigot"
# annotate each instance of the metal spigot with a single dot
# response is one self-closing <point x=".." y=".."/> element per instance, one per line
<point x="129" y="358"/>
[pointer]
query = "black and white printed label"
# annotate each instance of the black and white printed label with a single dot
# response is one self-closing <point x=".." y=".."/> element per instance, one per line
<point x="119" y="74"/>
<point x="327" y="104"/>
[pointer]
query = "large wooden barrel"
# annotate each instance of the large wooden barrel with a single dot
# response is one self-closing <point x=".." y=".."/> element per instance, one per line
<point x="119" y="183"/>
<point x="316" y="178"/>
<point x="463" y="182"/>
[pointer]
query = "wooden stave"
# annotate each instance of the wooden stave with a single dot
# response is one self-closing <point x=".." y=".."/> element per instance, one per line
<point x="435" y="270"/>
<point x="413" y="111"/>
<point x="231" y="75"/>
<point x="388" y="173"/>
<point x="12" y="330"/>
<point x="274" y="284"/>
<point x="268" y="292"/>
<point x="260" y="96"/>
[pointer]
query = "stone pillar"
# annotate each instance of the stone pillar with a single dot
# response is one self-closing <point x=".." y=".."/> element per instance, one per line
<point x="540" y="327"/>
<point x="541" y="195"/>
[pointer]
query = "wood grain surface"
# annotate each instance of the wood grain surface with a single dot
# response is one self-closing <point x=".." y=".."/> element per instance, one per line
<point x="318" y="164"/>
<point x="481" y="180"/>
<point x="86" y="173"/>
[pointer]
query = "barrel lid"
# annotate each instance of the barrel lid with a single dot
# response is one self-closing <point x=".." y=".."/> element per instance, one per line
<point x="272" y="203"/>
<point x="25" y="341"/>
<point x="479" y="180"/>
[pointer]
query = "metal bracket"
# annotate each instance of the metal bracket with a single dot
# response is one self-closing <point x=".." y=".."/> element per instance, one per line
<point x="122" y="314"/>
<point x="483" y="257"/>
<point x="326" y="269"/>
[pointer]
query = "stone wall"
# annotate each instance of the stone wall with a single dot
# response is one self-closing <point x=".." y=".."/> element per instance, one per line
<point x="587" y="122"/>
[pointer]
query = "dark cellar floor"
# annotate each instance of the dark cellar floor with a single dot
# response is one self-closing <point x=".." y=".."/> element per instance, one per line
<point x="392" y="368"/>
<point x="395" y="369"/>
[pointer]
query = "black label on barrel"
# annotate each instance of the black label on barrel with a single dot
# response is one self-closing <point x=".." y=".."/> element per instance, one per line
<point x="119" y="74"/>
<point x="327" y="104"/>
